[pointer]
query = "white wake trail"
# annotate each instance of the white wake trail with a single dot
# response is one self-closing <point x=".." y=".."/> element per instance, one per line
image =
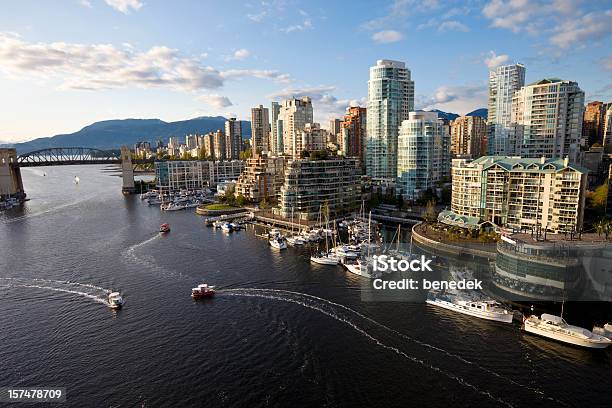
<point x="74" y="292"/>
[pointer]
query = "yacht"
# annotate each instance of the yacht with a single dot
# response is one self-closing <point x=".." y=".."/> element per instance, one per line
<point x="115" y="301"/>
<point x="488" y="309"/>
<point x="325" y="259"/>
<point x="164" y="228"/>
<point x="361" y="268"/>
<point x="295" y="240"/>
<point x="226" y="227"/>
<point x="172" y="207"/>
<point x="556" y="328"/>
<point x="605" y="331"/>
<point x="278" y="243"/>
<point x="203" y="291"/>
<point x="344" y="251"/>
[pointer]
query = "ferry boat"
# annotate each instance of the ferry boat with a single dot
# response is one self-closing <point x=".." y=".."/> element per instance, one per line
<point x="164" y="228"/>
<point x="556" y="328"/>
<point x="278" y="243"/>
<point x="115" y="301"/>
<point x="483" y="309"/>
<point x="203" y="291"/>
<point x="325" y="259"/>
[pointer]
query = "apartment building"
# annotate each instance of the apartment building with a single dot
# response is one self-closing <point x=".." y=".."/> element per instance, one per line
<point x="262" y="178"/>
<point x="195" y="174"/>
<point x="468" y="136"/>
<point x="520" y="193"/>
<point x="233" y="139"/>
<point x="353" y="133"/>
<point x="294" y="115"/>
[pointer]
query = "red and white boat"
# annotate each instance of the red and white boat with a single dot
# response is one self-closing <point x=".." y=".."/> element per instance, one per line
<point x="164" y="228"/>
<point x="203" y="291"/>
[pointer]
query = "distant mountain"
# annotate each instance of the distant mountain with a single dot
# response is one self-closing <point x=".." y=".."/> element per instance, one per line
<point x="482" y="112"/>
<point x="111" y="134"/>
<point x="445" y="115"/>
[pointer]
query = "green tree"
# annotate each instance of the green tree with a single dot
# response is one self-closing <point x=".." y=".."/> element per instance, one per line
<point x="430" y="215"/>
<point x="202" y="153"/>
<point x="241" y="200"/>
<point x="246" y="154"/>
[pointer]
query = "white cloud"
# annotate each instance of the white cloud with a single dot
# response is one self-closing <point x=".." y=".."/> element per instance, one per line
<point x="216" y="101"/>
<point x="452" y="25"/>
<point x="241" y="54"/>
<point x="387" y="36"/>
<point x="257" y="17"/>
<point x="399" y="11"/>
<point x="124" y="6"/>
<point x="508" y="14"/>
<point x="455" y="98"/>
<point x="85" y="3"/>
<point x="493" y="60"/>
<point x="591" y="26"/>
<point x="104" y="66"/>
<point x="305" y="25"/>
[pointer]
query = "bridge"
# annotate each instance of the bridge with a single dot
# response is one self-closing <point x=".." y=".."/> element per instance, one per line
<point x="11" y="183"/>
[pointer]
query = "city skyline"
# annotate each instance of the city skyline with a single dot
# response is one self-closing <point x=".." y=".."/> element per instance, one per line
<point x="127" y="58"/>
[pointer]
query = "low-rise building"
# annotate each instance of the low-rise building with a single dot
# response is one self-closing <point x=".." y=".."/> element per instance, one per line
<point x="520" y="193"/>
<point x="311" y="184"/>
<point x="195" y="174"/>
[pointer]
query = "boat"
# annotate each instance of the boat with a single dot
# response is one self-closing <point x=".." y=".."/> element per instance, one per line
<point x="172" y="207"/>
<point x="344" y="251"/>
<point x="77" y="180"/>
<point x="203" y="291"/>
<point x="605" y="330"/>
<point x="483" y="309"/>
<point x="278" y="243"/>
<point x="325" y="258"/>
<point x="227" y="227"/>
<point x="361" y="268"/>
<point x="115" y="301"/>
<point x="164" y="228"/>
<point x="556" y="328"/>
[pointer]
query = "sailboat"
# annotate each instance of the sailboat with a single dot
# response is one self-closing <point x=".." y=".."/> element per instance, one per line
<point x="327" y="257"/>
<point x="294" y="239"/>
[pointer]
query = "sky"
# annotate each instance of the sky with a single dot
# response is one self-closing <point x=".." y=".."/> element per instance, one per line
<point x="66" y="64"/>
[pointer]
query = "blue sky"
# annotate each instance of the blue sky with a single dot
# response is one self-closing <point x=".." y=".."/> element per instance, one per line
<point x="66" y="64"/>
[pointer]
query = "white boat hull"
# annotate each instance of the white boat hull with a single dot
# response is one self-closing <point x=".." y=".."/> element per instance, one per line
<point x="563" y="338"/>
<point x="324" y="260"/>
<point x="498" y="317"/>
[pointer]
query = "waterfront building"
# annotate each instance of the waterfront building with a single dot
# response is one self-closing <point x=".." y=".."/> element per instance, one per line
<point x="594" y="122"/>
<point x="390" y="99"/>
<point x="260" y="129"/>
<point x="195" y="174"/>
<point x="294" y="114"/>
<point x="503" y="82"/>
<point x="520" y="193"/>
<point x="423" y="154"/>
<point x="276" y="136"/>
<point x="547" y="119"/>
<point x="353" y="133"/>
<point x="468" y="135"/>
<point x="309" y="139"/>
<point x="233" y="138"/>
<point x="310" y="184"/>
<point x="262" y="178"/>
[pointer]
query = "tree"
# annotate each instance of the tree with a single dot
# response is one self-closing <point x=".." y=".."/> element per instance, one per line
<point x="185" y="156"/>
<point x="246" y="154"/>
<point x="429" y="215"/>
<point x="202" y="153"/>
<point x="241" y="200"/>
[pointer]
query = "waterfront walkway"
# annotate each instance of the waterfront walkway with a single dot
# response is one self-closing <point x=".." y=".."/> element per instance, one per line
<point x="437" y="241"/>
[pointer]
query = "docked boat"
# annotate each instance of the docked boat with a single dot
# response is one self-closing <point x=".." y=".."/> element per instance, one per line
<point x="325" y="259"/>
<point x="344" y="251"/>
<point x="278" y="243"/>
<point x="556" y="328"/>
<point x="164" y="228"/>
<point x="172" y="207"/>
<point x="226" y="227"/>
<point x="295" y="240"/>
<point x="203" y="291"/>
<point x="115" y="301"/>
<point x="488" y="309"/>
<point x="361" y="268"/>
<point x="605" y="330"/>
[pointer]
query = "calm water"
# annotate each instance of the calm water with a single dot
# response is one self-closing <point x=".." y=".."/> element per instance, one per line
<point x="282" y="332"/>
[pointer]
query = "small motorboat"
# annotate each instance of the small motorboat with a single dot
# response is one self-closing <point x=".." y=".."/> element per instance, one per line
<point x="115" y="301"/>
<point x="164" y="228"/>
<point x="203" y="291"/>
<point x="278" y="243"/>
<point x="226" y="227"/>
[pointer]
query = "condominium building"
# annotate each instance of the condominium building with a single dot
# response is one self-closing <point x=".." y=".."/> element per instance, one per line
<point x="353" y="133"/>
<point x="195" y="174"/>
<point x="233" y="138"/>
<point x="503" y="82"/>
<point x="262" y="178"/>
<point x="423" y="154"/>
<point x="219" y="151"/>
<point x="593" y="123"/>
<point x="468" y="135"/>
<point x="390" y="99"/>
<point x="276" y="136"/>
<point x="294" y="114"/>
<point x="607" y="138"/>
<point x="191" y="141"/>
<point x="311" y="138"/>
<point x="520" y="193"/>
<point x="260" y="129"/>
<point x="334" y="130"/>
<point x="312" y="184"/>
<point x="547" y="117"/>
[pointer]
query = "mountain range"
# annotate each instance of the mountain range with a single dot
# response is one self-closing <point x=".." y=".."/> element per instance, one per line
<point x="110" y="134"/>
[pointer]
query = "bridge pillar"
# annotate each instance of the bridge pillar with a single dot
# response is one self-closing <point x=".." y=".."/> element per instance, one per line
<point x="128" y="171"/>
<point x="11" y="183"/>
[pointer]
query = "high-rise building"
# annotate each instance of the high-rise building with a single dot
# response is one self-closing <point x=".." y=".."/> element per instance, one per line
<point x="262" y="178"/>
<point x="219" y="151"/>
<point x="191" y="141"/>
<point x="311" y="138"/>
<point x="547" y="119"/>
<point x="353" y="133"/>
<point x="311" y="184"/>
<point x="334" y="130"/>
<point x="276" y="137"/>
<point x="423" y="154"/>
<point x="233" y="138"/>
<point x="593" y="123"/>
<point x="531" y="193"/>
<point x="260" y="129"/>
<point x="503" y="82"/>
<point x="468" y="134"/>
<point x="607" y="138"/>
<point x="295" y="114"/>
<point x="390" y="99"/>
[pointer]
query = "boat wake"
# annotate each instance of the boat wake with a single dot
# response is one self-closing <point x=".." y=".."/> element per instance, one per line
<point x="131" y="255"/>
<point x="366" y="326"/>
<point x="16" y="284"/>
<point x="49" y="210"/>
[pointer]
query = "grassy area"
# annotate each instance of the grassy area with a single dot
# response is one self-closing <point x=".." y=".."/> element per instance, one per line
<point x="216" y="207"/>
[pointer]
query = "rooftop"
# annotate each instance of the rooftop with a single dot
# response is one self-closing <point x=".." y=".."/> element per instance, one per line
<point x="519" y="163"/>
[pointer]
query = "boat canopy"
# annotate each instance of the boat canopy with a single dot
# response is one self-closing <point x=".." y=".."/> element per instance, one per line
<point x="552" y="318"/>
<point x="115" y="294"/>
